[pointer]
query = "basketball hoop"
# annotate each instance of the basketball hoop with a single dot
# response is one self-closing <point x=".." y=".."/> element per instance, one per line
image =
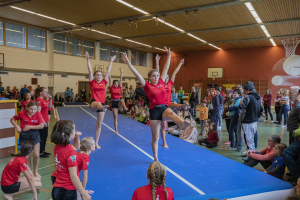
<point x="290" y="45"/>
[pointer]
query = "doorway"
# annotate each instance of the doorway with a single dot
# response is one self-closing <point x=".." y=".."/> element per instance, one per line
<point x="86" y="86"/>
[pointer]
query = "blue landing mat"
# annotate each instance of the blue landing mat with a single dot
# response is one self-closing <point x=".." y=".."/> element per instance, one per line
<point x="119" y="167"/>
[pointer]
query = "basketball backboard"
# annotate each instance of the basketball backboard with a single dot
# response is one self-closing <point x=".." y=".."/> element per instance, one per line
<point x="216" y="72"/>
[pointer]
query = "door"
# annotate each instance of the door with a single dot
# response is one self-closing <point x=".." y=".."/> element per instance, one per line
<point x="86" y="86"/>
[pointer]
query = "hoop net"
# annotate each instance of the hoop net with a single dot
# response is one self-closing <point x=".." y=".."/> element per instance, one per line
<point x="290" y="45"/>
<point x="214" y="77"/>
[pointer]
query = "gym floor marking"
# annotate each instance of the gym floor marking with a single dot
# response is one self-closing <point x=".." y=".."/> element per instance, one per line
<point x="171" y="171"/>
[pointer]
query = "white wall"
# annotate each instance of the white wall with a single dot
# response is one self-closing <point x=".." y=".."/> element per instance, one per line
<point x="20" y="78"/>
<point x="37" y="60"/>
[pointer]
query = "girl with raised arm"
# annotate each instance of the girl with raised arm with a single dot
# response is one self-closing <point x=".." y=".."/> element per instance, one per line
<point x="157" y="96"/>
<point x="98" y="88"/>
<point x="168" y="85"/>
<point x="117" y="101"/>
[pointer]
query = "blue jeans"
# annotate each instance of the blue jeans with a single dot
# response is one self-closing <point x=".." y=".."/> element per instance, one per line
<point x="255" y="139"/>
<point x="239" y="141"/>
<point x="214" y="117"/>
<point x="232" y="129"/>
<point x="289" y="155"/>
<point x="284" y="110"/>
<point x="219" y="116"/>
<point x="202" y="123"/>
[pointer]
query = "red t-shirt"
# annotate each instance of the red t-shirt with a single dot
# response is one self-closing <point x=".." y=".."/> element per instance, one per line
<point x="12" y="171"/>
<point x="156" y="93"/>
<point x="83" y="161"/>
<point x="44" y="108"/>
<point x="65" y="157"/>
<point x="48" y="101"/>
<point x="115" y="92"/>
<point x="98" y="90"/>
<point x="145" y="193"/>
<point x="168" y="88"/>
<point x="24" y="103"/>
<point x="24" y="118"/>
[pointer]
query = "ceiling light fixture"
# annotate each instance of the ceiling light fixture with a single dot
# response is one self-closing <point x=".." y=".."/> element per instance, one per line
<point x="42" y="15"/>
<point x="139" y="43"/>
<point x="256" y="17"/>
<point x="162" y="21"/>
<point x="214" y="46"/>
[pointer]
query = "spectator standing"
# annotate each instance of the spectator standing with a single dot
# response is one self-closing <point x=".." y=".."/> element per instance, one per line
<point x="193" y="101"/>
<point x="180" y="94"/>
<point x="252" y="108"/>
<point x="267" y="104"/>
<point x="277" y="104"/>
<point x="23" y="91"/>
<point x="203" y="115"/>
<point x="83" y="94"/>
<point x="68" y="93"/>
<point x="131" y="92"/>
<point x="31" y="91"/>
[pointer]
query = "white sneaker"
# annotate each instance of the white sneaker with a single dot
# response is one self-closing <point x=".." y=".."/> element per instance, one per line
<point x="244" y="152"/>
<point x="266" y="121"/>
<point x="272" y="121"/>
<point x="219" y="128"/>
<point x="283" y="126"/>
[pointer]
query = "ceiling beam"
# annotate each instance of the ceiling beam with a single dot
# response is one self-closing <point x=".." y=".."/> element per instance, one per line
<point x="205" y="30"/>
<point x="8" y="3"/>
<point x="158" y="14"/>
<point x="224" y="41"/>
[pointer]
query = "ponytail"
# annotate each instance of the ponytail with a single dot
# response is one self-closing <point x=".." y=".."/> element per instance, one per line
<point x="26" y="148"/>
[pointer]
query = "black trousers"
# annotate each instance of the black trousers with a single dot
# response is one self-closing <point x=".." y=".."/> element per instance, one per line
<point x="277" y="109"/>
<point x="227" y="123"/>
<point x="251" y="162"/>
<point x="59" y="193"/>
<point x="208" y="145"/>
<point x="268" y="110"/>
<point x="43" y="136"/>
<point x="181" y="101"/>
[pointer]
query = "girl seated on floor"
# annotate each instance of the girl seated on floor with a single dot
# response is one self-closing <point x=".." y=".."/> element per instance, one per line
<point x="11" y="182"/>
<point x="156" y="189"/>
<point x="143" y="117"/>
<point x="277" y="168"/>
<point x="132" y="112"/>
<point x="212" y="137"/>
<point x="66" y="181"/>
<point x="190" y="133"/>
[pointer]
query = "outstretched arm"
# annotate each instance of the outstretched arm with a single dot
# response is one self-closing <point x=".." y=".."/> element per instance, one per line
<point x="112" y="59"/>
<point x="121" y="76"/>
<point x="110" y="81"/>
<point x="176" y="70"/>
<point x="89" y="66"/>
<point x="167" y="65"/>
<point x="157" y="57"/>
<point x="134" y="71"/>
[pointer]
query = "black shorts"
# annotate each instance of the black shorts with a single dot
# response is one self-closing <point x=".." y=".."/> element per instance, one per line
<point x="53" y="179"/>
<point x="115" y="104"/>
<point x="11" y="188"/>
<point x="157" y="112"/>
<point x="92" y="100"/>
<point x="49" y="112"/>
<point x="60" y="193"/>
<point x="33" y="135"/>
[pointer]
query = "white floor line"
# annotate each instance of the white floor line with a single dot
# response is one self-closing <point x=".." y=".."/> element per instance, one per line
<point x="46" y="166"/>
<point x="171" y="171"/>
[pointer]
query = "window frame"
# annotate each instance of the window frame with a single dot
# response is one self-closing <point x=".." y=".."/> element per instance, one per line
<point x="119" y="55"/>
<point x="138" y="58"/>
<point x="26" y="26"/>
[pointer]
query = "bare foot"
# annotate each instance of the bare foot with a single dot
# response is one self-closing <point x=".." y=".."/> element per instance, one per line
<point x="116" y="132"/>
<point x="184" y="106"/>
<point x="9" y="196"/>
<point x="105" y="107"/>
<point x="125" y="108"/>
<point x="98" y="147"/>
<point x="185" y="124"/>
<point x="36" y="174"/>
<point x="165" y="146"/>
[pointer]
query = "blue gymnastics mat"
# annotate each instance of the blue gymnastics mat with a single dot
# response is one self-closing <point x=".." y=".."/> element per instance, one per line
<point x="120" y="166"/>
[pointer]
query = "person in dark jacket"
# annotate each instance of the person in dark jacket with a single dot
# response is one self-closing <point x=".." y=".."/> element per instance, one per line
<point x="193" y="101"/>
<point x="251" y="111"/>
<point x="216" y="106"/>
